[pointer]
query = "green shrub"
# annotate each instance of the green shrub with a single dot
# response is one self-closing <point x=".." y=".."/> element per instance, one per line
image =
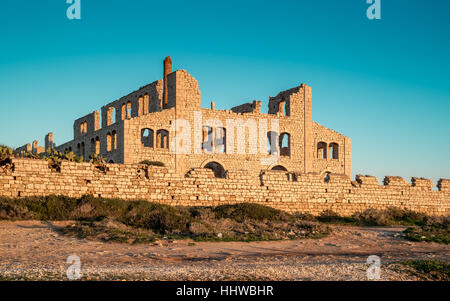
<point x="108" y="231"/>
<point x="11" y="211"/>
<point x="41" y="208"/>
<point x="157" y="217"/>
<point x="390" y="216"/>
<point x="436" y="270"/>
<point x="329" y="216"/>
<point x="5" y="152"/>
<point x="434" y="230"/>
<point x="142" y="221"/>
<point x="248" y="211"/>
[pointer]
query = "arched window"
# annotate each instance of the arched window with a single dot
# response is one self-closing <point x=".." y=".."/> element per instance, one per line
<point x="207" y="143"/>
<point x="129" y="110"/>
<point x="83" y="127"/>
<point x="111" y="116"/>
<point x="147" y="137"/>
<point x="321" y="150"/>
<point x="279" y="167"/>
<point x="272" y="142"/>
<point x="93" y="146"/>
<point x="219" y="171"/>
<point x="82" y="150"/>
<point x="326" y="177"/>
<point x="78" y="149"/>
<point x="220" y="141"/>
<point x="334" y="151"/>
<point x="108" y="142"/>
<point x="124" y="112"/>
<point x="114" y="139"/>
<point x="162" y="139"/>
<point x="285" y="144"/>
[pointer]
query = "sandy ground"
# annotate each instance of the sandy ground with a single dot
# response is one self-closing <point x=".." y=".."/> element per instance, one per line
<point x="34" y="250"/>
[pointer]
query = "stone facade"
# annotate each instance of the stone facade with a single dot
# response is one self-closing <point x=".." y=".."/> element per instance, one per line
<point x="289" y="191"/>
<point x="143" y="126"/>
<point x="281" y="158"/>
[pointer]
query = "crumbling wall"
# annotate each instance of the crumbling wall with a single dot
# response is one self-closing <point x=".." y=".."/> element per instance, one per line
<point x="24" y="149"/>
<point x="183" y="91"/>
<point x="145" y="100"/>
<point x="293" y="145"/>
<point x="86" y="124"/>
<point x="335" y="156"/>
<point x="250" y="107"/>
<point x="293" y="192"/>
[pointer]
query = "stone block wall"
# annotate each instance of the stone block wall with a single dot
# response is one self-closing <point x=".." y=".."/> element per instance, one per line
<point x="292" y="192"/>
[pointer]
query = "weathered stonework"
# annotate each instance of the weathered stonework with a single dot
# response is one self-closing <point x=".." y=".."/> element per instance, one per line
<point x="311" y="173"/>
<point x="140" y="126"/>
<point x="293" y="192"/>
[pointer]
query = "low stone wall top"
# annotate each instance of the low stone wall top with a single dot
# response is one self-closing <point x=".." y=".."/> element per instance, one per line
<point x="289" y="191"/>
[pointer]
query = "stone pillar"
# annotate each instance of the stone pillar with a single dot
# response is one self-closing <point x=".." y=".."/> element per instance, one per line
<point x="34" y="147"/>
<point x="96" y="120"/>
<point x="167" y="71"/>
<point x="49" y="141"/>
<point x="308" y="131"/>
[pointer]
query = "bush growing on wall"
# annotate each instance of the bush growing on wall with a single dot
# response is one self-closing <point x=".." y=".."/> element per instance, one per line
<point x="5" y="152"/>
<point x="53" y="156"/>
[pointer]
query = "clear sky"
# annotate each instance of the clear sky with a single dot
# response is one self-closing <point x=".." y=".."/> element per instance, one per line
<point x="383" y="83"/>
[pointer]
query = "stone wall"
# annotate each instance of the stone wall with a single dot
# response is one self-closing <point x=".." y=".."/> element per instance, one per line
<point x="293" y="192"/>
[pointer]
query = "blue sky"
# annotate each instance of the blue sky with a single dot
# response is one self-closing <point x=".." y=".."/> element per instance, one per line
<point x="384" y="83"/>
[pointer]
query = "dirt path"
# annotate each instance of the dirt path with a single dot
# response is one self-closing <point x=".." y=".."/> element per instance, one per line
<point x="34" y="250"/>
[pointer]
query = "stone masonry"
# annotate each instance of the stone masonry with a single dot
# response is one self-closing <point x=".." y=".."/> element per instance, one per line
<point x="292" y="192"/>
<point x="281" y="158"/>
<point x="142" y="126"/>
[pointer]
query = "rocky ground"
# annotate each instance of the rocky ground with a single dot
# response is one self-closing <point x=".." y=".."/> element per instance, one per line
<point x="34" y="250"/>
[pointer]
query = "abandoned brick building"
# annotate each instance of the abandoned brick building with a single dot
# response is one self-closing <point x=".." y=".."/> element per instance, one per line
<point x="140" y="126"/>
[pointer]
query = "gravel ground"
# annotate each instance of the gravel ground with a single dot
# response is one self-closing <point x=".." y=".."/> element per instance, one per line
<point x="33" y="250"/>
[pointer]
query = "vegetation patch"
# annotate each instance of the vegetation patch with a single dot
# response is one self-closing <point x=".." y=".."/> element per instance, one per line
<point x="372" y="217"/>
<point x="247" y="211"/>
<point x="5" y="152"/>
<point x="429" y="269"/>
<point x="143" y="221"/>
<point x="53" y="156"/>
<point x="434" y="230"/>
<point x="389" y="217"/>
<point x="109" y="231"/>
<point x="331" y="217"/>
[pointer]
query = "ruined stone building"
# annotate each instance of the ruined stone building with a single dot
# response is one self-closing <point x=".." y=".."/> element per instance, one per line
<point x="212" y="157"/>
<point x="142" y="125"/>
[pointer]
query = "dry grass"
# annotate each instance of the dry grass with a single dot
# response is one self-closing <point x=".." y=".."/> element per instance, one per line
<point x="142" y="221"/>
